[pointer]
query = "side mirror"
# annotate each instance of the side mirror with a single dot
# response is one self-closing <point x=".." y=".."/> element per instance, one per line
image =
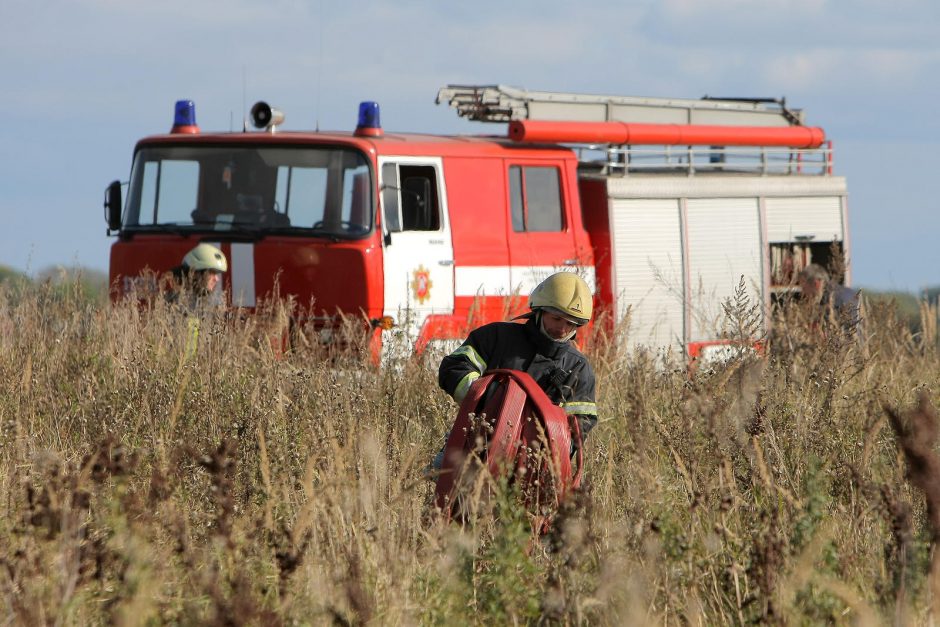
<point x="112" y="206"/>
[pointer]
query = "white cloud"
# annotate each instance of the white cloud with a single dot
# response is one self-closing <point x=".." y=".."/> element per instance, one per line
<point x="872" y="71"/>
<point x="747" y="9"/>
<point x="793" y="24"/>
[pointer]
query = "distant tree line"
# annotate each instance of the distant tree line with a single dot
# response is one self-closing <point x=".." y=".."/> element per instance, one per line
<point x="82" y="284"/>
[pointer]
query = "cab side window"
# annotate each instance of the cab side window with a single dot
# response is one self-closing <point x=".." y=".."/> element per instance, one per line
<point x="535" y="198"/>
<point x="410" y="198"/>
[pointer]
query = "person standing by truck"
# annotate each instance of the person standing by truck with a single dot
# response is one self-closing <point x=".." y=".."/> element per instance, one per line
<point x="197" y="276"/>
<point x="541" y="347"/>
<point x="194" y="285"/>
<point x="832" y="298"/>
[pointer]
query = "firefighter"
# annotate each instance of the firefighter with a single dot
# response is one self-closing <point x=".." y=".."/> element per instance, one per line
<point x="194" y="289"/>
<point x="541" y="347"/>
<point x="198" y="274"/>
<point x="835" y="299"/>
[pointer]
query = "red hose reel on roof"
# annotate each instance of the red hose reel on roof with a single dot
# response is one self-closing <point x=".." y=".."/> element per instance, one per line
<point x="514" y="429"/>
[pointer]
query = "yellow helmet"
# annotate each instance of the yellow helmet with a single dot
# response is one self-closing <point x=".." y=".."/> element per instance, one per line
<point x="565" y="293"/>
<point x="205" y="257"/>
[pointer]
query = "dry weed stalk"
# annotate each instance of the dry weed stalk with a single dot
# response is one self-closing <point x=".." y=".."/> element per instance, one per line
<point x="917" y="436"/>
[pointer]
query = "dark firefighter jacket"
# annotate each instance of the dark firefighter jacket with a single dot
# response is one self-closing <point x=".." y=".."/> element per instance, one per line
<point x="558" y="367"/>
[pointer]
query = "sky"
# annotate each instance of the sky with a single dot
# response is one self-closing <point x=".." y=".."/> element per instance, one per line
<point x="82" y="80"/>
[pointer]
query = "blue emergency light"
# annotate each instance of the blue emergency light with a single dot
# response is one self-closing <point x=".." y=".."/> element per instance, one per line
<point x="184" y="118"/>
<point x="368" y="123"/>
<point x="185" y="113"/>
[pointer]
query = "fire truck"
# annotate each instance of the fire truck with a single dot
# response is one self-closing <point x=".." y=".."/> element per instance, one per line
<point x="665" y="206"/>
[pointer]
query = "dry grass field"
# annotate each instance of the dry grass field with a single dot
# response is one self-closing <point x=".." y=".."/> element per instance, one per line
<point x="143" y="481"/>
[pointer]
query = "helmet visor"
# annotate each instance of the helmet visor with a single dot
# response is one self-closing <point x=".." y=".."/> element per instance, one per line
<point x="578" y="322"/>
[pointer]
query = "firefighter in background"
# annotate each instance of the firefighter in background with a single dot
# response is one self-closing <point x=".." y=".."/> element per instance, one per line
<point x="194" y="288"/>
<point x="832" y="298"/>
<point x="541" y="347"/>
<point x="197" y="277"/>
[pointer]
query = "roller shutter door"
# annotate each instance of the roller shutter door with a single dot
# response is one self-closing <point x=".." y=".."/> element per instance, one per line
<point x="812" y="218"/>
<point x="724" y="244"/>
<point x="647" y="260"/>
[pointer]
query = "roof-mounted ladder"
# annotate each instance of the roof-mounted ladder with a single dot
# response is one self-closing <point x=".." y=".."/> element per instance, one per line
<point x="500" y="103"/>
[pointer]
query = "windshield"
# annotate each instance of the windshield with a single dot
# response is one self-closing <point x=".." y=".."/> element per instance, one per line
<point x="322" y="191"/>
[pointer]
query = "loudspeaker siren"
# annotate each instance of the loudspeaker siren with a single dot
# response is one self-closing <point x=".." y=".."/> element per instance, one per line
<point x="265" y="116"/>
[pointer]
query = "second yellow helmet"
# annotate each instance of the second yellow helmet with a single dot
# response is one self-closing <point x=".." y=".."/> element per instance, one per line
<point x="206" y="257"/>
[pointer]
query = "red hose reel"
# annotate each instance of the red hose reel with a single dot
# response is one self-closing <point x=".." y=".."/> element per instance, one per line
<point x="507" y="422"/>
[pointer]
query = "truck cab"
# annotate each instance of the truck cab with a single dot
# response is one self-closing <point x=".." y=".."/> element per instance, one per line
<point x="413" y="234"/>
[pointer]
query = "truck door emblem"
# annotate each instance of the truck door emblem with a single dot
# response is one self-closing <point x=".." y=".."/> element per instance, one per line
<point x="421" y="285"/>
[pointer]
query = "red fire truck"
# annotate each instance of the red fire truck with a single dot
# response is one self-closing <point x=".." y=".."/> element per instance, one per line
<point x="663" y="205"/>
